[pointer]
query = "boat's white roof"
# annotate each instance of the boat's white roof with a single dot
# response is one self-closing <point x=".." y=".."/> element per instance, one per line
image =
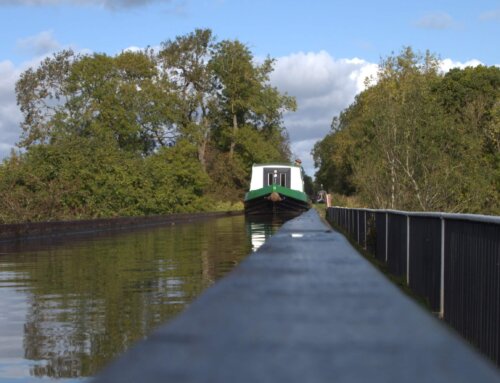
<point x="275" y="165"/>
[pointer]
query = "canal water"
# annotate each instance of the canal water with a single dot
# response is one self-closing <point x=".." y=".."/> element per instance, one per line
<point x="69" y="306"/>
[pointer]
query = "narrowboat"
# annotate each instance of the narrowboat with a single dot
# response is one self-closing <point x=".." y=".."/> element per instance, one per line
<point x="276" y="189"/>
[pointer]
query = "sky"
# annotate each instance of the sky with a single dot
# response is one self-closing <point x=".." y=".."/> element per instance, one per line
<point x="323" y="49"/>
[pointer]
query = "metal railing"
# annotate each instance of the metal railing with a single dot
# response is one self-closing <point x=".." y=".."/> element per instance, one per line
<point x="451" y="260"/>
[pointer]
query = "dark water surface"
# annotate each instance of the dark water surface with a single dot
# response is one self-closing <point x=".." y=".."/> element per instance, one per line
<point x="69" y="306"/>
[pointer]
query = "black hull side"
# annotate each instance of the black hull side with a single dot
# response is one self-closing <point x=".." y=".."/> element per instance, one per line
<point x="286" y="206"/>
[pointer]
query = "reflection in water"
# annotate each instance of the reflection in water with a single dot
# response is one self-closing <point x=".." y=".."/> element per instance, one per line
<point x="69" y="307"/>
<point x="261" y="227"/>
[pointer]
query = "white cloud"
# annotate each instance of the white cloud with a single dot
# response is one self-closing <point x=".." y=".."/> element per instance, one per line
<point x="447" y="64"/>
<point x="133" y="49"/>
<point x="323" y="86"/>
<point x="40" y="44"/>
<point x="10" y="116"/>
<point x="438" y="20"/>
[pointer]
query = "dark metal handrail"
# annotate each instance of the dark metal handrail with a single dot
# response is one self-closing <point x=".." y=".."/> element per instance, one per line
<point x="465" y="217"/>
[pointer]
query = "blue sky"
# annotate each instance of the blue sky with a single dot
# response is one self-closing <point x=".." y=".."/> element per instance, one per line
<point x="324" y="48"/>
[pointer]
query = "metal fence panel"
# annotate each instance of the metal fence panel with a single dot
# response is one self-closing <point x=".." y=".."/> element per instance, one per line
<point x="425" y="259"/>
<point x="355" y="220"/>
<point x="472" y="283"/>
<point x="371" y="233"/>
<point x="362" y="229"/>
<point x="396" y="249"/>
<point x="352" y="224"/>
<point x="380" y="232"/>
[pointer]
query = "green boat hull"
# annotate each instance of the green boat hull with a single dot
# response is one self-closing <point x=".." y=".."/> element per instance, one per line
<point x="289" y="201"/>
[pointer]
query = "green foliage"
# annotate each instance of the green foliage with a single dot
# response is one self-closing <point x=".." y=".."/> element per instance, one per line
<point x="124" y="95"/>
<point x="229" y="177"/>
<point x="88" y="178"/>
<point x="39" y="93"/>
<point x="309" y="186"/>
<point x="244" y="96"/>
<point x="186" y="57"/>
<point x="73" y="178"/>
<point x="255" y="147"/>
<point x="239" y="80"/>
<point x="176" y="180"/>
<point x="418" y="140"/>
<point x="142" y="132"/>
<point x="332" y="157"/>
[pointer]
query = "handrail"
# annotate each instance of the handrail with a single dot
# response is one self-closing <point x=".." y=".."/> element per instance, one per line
<point x="456" y="216"/>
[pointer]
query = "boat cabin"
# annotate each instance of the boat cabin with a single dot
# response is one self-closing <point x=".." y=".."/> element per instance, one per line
<point x="289" y="176"/>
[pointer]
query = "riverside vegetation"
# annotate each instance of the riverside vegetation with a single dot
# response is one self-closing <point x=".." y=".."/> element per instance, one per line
<point x="149" y="132"/>
<point x="418" y="140"/>
<point x="177" y="130"/>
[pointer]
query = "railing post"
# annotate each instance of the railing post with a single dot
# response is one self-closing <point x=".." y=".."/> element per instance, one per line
<point x="386" y="237"/>
<point x="351" y="223"/>
<point x="366" y="235"/>
<point x="357" y="234"/>
<point x="348" y="212"/>
<point x="408" y="250"/>
<point x="441" y="294"/>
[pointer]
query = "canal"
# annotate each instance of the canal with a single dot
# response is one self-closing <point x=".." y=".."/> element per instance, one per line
<point x="69" y="306"/>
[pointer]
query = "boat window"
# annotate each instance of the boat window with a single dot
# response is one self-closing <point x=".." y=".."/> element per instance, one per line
<point x="283" y="179"/>
<point x="270" y="179"/>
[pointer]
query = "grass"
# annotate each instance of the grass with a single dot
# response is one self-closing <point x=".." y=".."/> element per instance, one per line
<point x="320" y="208"/>
<point x="225" y="206"/>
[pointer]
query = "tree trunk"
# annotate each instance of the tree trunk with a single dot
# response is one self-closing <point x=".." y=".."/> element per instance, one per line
<point x="393" y="184"/>
<point x="202" y="145"/>
<point x="202" y="149"/>
<point x="233" y="137"/>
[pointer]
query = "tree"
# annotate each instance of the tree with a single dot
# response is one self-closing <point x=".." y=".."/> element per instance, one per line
<point x="40" y="95"/>
<point x="333" y="156"/>
<point x="471" y="98"/>
<point x="244" y="94"/>
<point x="142" y="132"/>
<point x="238" y="82"/>
<point x="185" y="59"/>
<point x="411" y="142"/>
<point x="90" y="95"/>
<point x="404" y="122"/>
